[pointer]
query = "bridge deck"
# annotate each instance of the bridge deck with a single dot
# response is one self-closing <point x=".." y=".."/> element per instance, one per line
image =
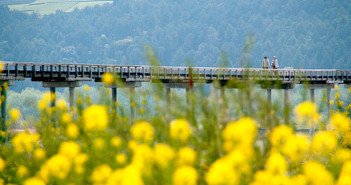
<point x="88" y="72"/>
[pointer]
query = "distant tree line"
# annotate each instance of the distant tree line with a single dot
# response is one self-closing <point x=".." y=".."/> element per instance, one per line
<point x="302" y="34"/>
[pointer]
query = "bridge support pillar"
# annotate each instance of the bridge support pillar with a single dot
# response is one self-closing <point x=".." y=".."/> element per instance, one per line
<point x="269" y="107"/>
<point x="3" y="94"/>
<point x="286" y="107"/>
<point x="71" y="85"/>
<point x="176" y="85"/>
<point x="312" y="95"/>
<point x="131" y="86"/>
<point x="52" y="96"/>
<point x="328" y="102"/>
<point x="114" y="99"/>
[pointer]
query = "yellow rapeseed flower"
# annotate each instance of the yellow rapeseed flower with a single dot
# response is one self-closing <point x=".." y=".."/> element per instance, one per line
<point x="121" y="158"/>
<point x="331" y="102"/>
<point x="241" y="132"/>
<point x="107" y="78"/>
<point x="69" y="149"/>
<point x="221" y="172"/>
<point x="116" y="141"/>
<point x="142" y="131"/>
<point x="280" y="135"/>
<point x="79" y="161"/>
<point x="34" y="181"/>
<point x="24" y="141"/>
<point x="143" y="158"/>
<point x="95" y="117"/>
<point x="337" y="95"/>
<point x="38" y="154"/>
<point x="346" y="139"/>
<point x="180" y="129"/>
<point x="341" y="155"/>
<point x="306" y="112"/>
<point x="345" y="174"/>
<point x="185" y="175"/>
<point x="324" y="142"/>
<point x="15" y="114"/>
<point x="163" y="155"/>
<point x="61" y="104"/>
<point x="317" y="174"/>
<point x="66" y="118"/>
<point x="2" y="164"/>
<point x="101" y="174"/>
<point x="72" y="131"/>
<point x="22" y="171"/>
<point x="296" y="148"/>
<point x="99" y="143"/>
<point x="186" y="156"/>
<point x="86" y="87"/>
<point x="129" y="175"/>
<point x="57" y="166"/>
<point x="340" y="122"/>
<point x="276" y="164"/>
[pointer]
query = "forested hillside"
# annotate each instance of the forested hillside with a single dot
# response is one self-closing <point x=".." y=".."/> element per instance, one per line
<point x="301" y="33"/>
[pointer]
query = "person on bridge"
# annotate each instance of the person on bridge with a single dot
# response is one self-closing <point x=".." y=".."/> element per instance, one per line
<point x="265" y="63"/>
<point x="275" y="64"/>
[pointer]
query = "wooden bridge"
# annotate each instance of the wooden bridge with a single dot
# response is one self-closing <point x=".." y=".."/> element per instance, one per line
<point x="54" y="75"/>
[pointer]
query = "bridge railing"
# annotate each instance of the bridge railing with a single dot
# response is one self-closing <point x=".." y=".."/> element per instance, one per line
<point x="142" y="72"/>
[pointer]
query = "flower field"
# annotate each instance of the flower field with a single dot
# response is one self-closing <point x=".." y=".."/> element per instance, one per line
<point x="195" y="143"/>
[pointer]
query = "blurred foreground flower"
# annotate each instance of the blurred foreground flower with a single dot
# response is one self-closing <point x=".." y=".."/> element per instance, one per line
<point x="95" y="117"/>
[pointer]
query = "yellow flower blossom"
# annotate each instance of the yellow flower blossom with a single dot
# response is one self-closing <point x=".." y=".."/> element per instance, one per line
<point x="34" y="181"/>
<point x="116" y="141"/>
<point x="121" y="158"/>
<point x="79" y="161"/>
<point x="186" y="156"/>
<point x="95" y="117"/>
<point x="99" y="143"/>
<point x="38" y="154"/>
<point x="337" y="95"/>
<point x="129" y="175"/>
<point x="280" y="135"/>
<point x="66" y="118"/>
<point x="276" y="164"/>
<point x="340" y="122"/>
<point x="15" y="114"/>
<point x="262" y="178"/>
<point x="72" y="131"/>
<point x="241" y="132"/>
<point x="163" y="155"/>
<point x="345" y="174"/>
<point x="24" y="141"/>
<point x="296" y="148"/>
<point x="306" y="112"/>
<point x="142" y="131"/>
<point x="57" y="166"/>
<point x="61" y="104"/>
<point x="341" y="155"/>
<point x="346" y="139"/>
<point x="42" y="105"/>
<point x="331" y="102"/>
<point x="107" y="78"/>
<point x="101" y="174"/>
<point x="180" y="129"/>
<point x="221" y="172"/>
<point x="22" y="171"/>
<point x="69" y="149"/>
<point x="2" y="164"/>
<point x="86" y="87"/>
<point x="324" y="142"/>
<point x="185" y="175"/>
<point x="143" y="158"/>
<point x="317" y="174"/>
<point x="298" y="180"/>
<point x="132" y="144"/>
